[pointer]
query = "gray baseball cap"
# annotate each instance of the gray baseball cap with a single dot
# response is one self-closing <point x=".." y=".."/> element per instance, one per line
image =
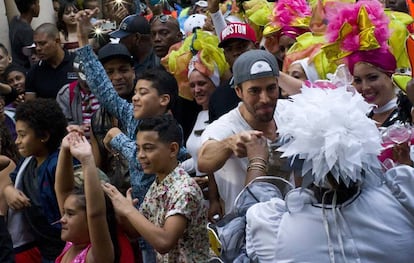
<point x="254" y="64"/>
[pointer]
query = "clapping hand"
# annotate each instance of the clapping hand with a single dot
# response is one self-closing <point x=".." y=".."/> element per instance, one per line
<point x="238" y="142"/>
<point x="257" y="146"/>
<point x="122" y="205"/>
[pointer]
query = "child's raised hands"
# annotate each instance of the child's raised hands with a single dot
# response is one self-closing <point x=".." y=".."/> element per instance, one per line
<point x="65" y="142"/>
<point x="80" y="148"/>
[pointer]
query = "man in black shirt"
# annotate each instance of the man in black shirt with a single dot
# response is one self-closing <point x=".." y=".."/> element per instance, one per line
<point x="55" y="68"/>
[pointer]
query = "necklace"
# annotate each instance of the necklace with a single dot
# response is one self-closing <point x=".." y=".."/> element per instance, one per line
<point x="392" y="104"/>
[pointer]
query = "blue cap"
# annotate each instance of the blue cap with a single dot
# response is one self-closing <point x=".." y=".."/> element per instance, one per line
<point x="130" y="25"/>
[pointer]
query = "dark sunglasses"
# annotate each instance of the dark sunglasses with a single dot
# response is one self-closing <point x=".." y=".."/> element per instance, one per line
<point x="163" y="18"/>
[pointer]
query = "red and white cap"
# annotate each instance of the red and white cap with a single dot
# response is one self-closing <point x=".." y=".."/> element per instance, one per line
<point x="237" y="31"/>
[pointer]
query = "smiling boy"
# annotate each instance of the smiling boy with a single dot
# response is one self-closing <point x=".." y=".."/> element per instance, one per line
<point x="155" y="94"/>
<point x="172" y="217"/>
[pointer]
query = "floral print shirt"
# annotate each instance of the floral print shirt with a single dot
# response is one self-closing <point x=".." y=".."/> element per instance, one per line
<point x="179" y="194"/>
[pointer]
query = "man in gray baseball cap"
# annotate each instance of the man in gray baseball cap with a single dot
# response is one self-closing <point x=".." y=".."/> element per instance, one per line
<point x="254" y="64"/>
<point x="224" y="141"/>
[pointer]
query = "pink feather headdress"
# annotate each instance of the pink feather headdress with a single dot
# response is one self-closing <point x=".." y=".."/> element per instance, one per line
<point x="291" y="17"/>
<point x="358" y="31"/>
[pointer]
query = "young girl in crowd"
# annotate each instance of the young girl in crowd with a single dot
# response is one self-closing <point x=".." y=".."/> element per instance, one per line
<point x="66" y="24"/>
<point x="6" y="245"/>
<point x="88" y="226"/>
<point x="8" y="156"/>
<point x="15" y="76"/>
<point x="30" y="195"/>
<point x="7" y="146"/>
<point x="8" y="159"/>
<point x="172" y="217"/>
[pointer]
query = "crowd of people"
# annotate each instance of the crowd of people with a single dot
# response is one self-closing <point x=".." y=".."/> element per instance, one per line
<point x="208" y="131"/>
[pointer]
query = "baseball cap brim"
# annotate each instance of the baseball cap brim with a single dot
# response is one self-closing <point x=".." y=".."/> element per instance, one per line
<point x="224" y="42"/>
<point x="120" y="56"/>
<point x="201" y="3"/>
<point x="119" y="34"/>
<point x="27" y="50"/>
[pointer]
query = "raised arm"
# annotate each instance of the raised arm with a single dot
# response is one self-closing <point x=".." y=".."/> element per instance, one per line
<point x="289" y="84"/>
<point x="84" y="25"/>
<point x="96" y="77"/>
<point x="216" y="16"/>
<point x="64" y="180"/>
<point x="102" y="249"/>
<point x="95" y="150"/>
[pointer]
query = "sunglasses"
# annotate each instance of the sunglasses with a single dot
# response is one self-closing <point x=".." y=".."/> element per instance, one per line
<point x="162" y="18"/>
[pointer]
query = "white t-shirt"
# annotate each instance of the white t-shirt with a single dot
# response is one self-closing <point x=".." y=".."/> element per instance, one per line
<point x="194" y="142"/>
<point x="375" y="225"/>
<point x="231" y="177"/>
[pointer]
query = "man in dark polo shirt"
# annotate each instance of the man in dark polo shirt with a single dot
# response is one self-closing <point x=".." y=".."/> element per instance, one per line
<point x="55" y="68"/>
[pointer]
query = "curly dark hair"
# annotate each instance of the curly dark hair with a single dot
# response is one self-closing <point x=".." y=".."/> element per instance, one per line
<point x="45" y="117"/>
<point x="404" y="108"/>
<point x="7" y="145"/>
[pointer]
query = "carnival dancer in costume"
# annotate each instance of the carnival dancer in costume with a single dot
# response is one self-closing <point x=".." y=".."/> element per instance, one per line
<point x="290" y="20"/>
<point x="358" y="36"/>
<point x="347" y="209"/>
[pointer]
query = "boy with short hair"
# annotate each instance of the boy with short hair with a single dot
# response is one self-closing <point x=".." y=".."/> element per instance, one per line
<point x="155" y="94"/>
<point x="172" y="217"/>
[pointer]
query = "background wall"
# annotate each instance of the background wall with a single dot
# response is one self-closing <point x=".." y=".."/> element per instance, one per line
<point x="4" y="25"/>
<point x="8" y="10"/>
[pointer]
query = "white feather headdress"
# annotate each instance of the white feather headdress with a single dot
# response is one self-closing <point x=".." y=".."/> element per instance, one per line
<point x="326" y="127"/>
